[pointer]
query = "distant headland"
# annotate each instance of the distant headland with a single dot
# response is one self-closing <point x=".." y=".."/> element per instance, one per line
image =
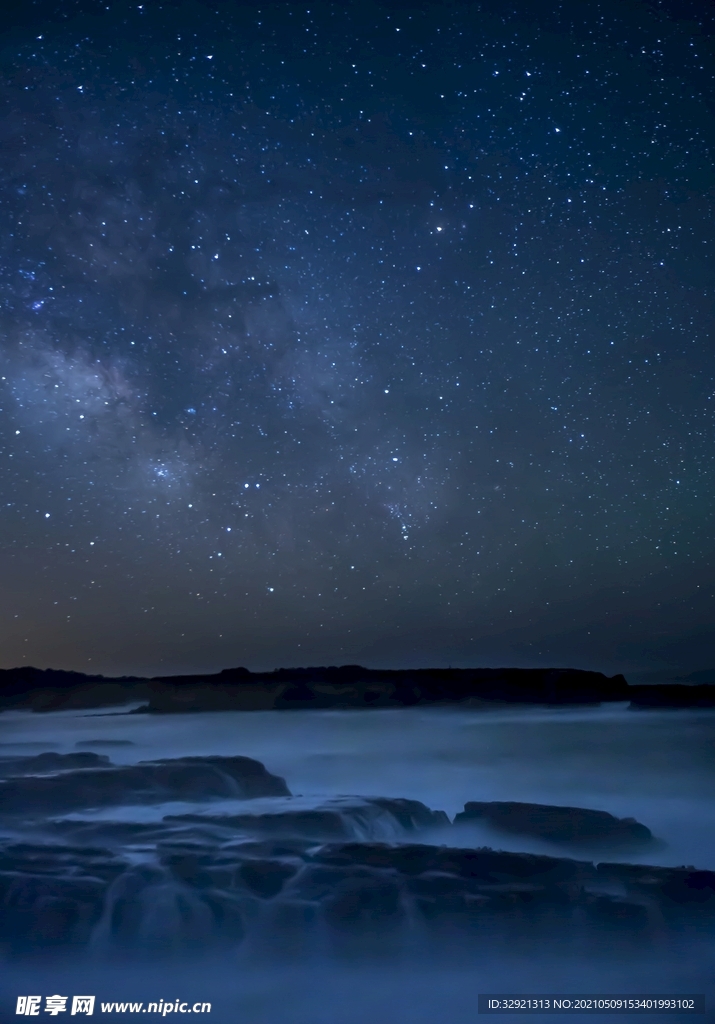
<point x="345" y="686"/>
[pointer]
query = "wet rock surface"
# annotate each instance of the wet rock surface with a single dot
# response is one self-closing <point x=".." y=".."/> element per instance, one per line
<point x="338" y="818"/>
<point x="49" y="763"/>
<point x="89" y="780"/>
<point x="573" y="825"/>
<point x="108" y="868"/>
<point x="191" y="891"/>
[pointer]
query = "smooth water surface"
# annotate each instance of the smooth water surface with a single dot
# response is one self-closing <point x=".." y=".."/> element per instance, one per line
<point x="656" y="766"/>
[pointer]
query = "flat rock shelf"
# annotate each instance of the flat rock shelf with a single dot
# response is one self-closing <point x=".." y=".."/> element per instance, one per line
<point x="172" y="856"/>
<point x="573" y="825"/>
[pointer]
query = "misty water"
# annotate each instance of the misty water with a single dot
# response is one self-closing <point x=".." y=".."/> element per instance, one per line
<point x="655" y="766"/>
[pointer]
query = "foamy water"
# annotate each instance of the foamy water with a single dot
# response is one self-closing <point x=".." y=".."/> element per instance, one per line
<point x="658" y="767"/>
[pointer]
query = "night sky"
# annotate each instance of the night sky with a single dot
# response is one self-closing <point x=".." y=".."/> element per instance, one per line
<point x="364" y="332"/>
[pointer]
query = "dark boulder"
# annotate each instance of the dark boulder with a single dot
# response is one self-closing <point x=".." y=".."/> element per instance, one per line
<point x="59" y="860"/>
<point x="556" y="824"/>
<point x="345" y="818"/>
<point x="676" y="891"/>
<point x="364" y="903"/>
<point x="486" y="866"/>
<point x="52" y="895"/>
<point x="266" y="877"/>
<point x="39" y="911"/>
<point x="49" y="762"/>
<point x="411" y="814"/>
<point x="188" y="778"/>
<point x="439" y="895"/>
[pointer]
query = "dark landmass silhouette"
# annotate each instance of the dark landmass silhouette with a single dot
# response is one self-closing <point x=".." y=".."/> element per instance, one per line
<point x="346" y="686"/>
<point x="674" y="695"/>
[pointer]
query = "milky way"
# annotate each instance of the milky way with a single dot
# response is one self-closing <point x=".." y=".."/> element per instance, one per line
<point x="338" y="333"/>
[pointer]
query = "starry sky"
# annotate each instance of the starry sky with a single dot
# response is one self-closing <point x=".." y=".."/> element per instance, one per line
<point x="366" y="332"/>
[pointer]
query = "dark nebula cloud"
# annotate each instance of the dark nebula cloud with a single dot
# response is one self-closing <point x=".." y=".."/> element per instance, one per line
<point x="362" y="332"/>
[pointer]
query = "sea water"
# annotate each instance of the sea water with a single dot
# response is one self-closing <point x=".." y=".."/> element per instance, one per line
<point x="655" y="766"/>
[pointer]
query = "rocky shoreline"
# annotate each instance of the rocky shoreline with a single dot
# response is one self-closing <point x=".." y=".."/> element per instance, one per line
<point x="248" y="864"/>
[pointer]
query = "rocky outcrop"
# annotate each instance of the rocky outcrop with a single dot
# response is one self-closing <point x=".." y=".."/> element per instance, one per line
<point x="252" y="866"/>
<point x="574" y="825"/>
<point x="363" y="818"/>
<point x="102" y="784"/>
<point x="52" y="895"/>
<point x="200" y="888"/>
<point x="43" y="764"/>
<point x="679" y="893"/>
